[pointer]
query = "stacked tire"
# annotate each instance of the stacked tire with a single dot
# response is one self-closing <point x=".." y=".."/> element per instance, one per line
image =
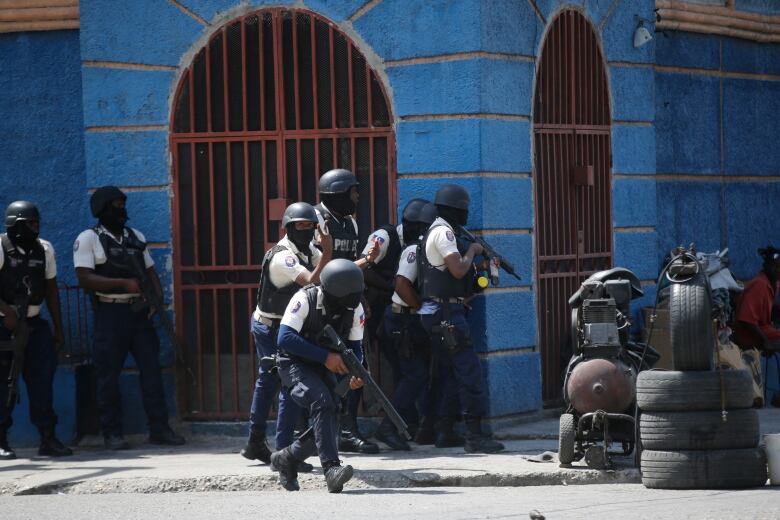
<point x="687" y="440"/>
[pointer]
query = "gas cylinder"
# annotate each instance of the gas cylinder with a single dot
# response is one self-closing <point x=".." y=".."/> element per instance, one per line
<point x="601" y="384"/>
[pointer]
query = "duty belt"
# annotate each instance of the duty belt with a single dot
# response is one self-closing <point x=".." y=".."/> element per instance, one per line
<point x="448" y="300"/>
<point x="108" y="299"/>
<point x="400" y="309"/>
<point x="270" y="322"/>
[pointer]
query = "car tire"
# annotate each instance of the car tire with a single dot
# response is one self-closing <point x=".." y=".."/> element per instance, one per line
<point x="691" y="328"/>
<point x="706" y="469"/>
<point x="701" y="430"/>
<point x="673" y="391"/>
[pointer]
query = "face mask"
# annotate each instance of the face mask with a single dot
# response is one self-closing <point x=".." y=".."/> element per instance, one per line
<point x="341" y="204"/>
<point x="114" y="219"/>
<point x="335" y="307"/>
<point x="412" y="231"/>
<point x="300" y="237"/>
<point x="454" y="216"/>
<point x="22" y="235"/>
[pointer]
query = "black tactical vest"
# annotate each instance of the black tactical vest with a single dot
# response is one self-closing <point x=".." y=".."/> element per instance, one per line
<point x="345" y="237"/>
<point x="435" y="283"/>
<point x="270" y="298"/>
<point x="316" y="319"/>
<point x="118" y="264"/>
<point x="388" y="266"/>
<point x="17" y="266"/>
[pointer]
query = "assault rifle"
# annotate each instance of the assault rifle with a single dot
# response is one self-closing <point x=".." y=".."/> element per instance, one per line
<point x="150" y="298"/>
<point x="491" y="254"/>
<point x="356" y="369"/>
<point x="17" y="345"/>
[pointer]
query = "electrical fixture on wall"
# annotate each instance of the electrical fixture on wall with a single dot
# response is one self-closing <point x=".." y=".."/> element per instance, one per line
<point x="641" y="34"/>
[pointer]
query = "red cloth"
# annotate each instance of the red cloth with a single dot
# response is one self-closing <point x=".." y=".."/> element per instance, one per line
<point x="754" y="306"/>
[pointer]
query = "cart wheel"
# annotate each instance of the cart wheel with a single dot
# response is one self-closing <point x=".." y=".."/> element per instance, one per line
<point x="567" y="434"/>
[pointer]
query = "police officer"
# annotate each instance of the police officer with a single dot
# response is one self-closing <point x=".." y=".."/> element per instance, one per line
<point x="380" y="274"/>
<point x="104" y="258"/>
<point x="293" y="262"/>
<point x="28" y="270"/>
<point x="446" y="270"/>
<point x="410" y="341"/>
<point x="309" y="371"/>
<point x="339" y="197"/>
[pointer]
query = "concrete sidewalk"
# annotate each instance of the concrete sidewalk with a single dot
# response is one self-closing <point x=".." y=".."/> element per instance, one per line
<point x="213" y="464"/>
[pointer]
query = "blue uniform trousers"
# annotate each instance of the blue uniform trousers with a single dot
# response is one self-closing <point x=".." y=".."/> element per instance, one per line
<point x="459" y="373"/>
<point x="119" y="330"/>
<point x="412" y="345"/>
<point x="39" y="365"/>
<point x="312" y="388"/>
<point x="267" y="387"/>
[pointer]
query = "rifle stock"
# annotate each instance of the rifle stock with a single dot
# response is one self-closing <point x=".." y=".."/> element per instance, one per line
<point x="17" y="345"/>
<point x="357" y="369"/>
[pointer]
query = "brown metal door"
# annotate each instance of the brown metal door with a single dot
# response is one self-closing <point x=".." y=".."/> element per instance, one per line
<point x="572" y="188"/>
<point x="273" y="100"/>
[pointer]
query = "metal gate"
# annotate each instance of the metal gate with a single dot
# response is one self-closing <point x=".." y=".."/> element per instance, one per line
<point x="273" y="100"/>
<point x="572" y="186"/>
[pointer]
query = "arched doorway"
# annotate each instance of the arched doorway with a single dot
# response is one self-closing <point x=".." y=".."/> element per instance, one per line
<point x="273" y="100"/>
<point x="572" y="180"/>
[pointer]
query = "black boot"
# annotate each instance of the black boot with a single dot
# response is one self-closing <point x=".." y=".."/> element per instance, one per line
<point x="287" y="466"/>
<point x="426" y="434"/>
<point x="351" y="441"/>
<point x="337" y="475"/>
<point x="389" y="435"/>
<point x="445" y="434"/>
<point x="478" y="442"/>
<point x="166" y="437"/>
<point x="51" y="446"/>
<point x="304" y="467"/>
<point x="6" y="453"/>
<point x="256" y="448"/>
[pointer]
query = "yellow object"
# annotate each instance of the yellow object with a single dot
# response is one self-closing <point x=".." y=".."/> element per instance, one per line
<point x="482" y="281"/>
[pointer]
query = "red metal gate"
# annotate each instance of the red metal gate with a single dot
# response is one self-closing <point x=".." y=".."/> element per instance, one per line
<point x="273" y="100"/>
<point x="572" y="186"/>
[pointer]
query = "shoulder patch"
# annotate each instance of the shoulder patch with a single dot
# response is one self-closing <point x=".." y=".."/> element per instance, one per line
<point x="296" y="307"/>
<point x="290" y="261"/>
<point x="76" y="245"/>
<point x="450" y="236"/>
<point x="362" y="319"/>
<point x="411" y="257"/>
<point x="378" y="238"/>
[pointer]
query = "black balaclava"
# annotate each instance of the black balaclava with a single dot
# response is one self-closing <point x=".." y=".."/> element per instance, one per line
<point x="453" y="216"/>
<point x="412" y="231"/>
<point x="300" y="237"/>
<point x="113" y="218"/>
<point x="336" y="308"/>
<point x="341" y="204"/>
<point x="22" y="235"/>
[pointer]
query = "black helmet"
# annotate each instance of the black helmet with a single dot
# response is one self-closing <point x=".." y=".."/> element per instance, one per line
<point x="340" y="278"/>
<point x="20" y="210"/>
<point x="428" y="214"/>
<point x="412" y="210"/>
<point x="103" y="197"/>
<point x="337" y="181"/>
<point x="453" y="196"/>
<point x="299" y="212"/>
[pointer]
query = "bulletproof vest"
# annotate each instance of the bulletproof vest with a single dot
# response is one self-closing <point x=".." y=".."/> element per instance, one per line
<point x="118" y="263"/>
<point x="316" y="319"/>
<point x="17" y="266"/>
<point x="435" y="283"/>
<point x="270" y="298"/>
<point x="388" y="266"/>
<point x="345" y="238"/>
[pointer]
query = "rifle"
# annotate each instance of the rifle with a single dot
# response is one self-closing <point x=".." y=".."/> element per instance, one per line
<point x="357" y="369"/>
<point x="491" y="254"/>
<point x="17" y="345"/>
<point x="149" y="298"/>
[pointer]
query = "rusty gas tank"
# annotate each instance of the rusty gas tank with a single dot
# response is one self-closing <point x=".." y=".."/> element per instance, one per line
<point x="601" y="384"/>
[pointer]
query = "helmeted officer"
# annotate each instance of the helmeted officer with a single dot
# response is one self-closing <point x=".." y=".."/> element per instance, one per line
<point x="410" y="341"/>
<point x="104" y="257"/>
<point x="380" y="275"/>
<point x="28" y="270"/>
<point x="292" y="263"/>
<point x="309" y="371"/>
<point x="446" y="271"/>
<point x="339" y="197"/>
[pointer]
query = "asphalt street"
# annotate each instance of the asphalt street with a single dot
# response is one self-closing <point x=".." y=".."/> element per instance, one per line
<point x="615" y="501"/>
